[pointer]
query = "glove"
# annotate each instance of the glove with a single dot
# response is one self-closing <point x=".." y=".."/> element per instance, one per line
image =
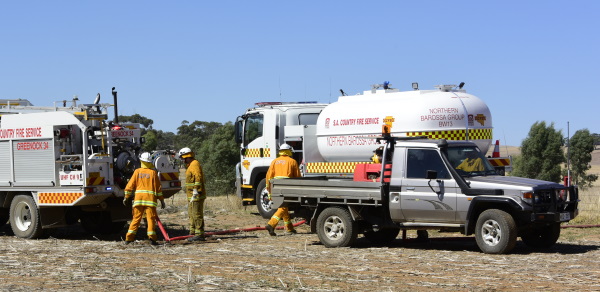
<point x="162" y="204"/>
<point x="125" y="201"/>
<point x="194" y="195"/>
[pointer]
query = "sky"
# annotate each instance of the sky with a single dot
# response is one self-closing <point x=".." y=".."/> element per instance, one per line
<point x="171" y="61"/>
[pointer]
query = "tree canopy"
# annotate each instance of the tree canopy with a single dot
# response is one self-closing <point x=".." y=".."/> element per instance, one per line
<point x="541" y="154"/>
<point x="581" y="146"/>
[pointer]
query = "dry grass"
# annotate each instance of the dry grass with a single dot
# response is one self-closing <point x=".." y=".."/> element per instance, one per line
<point x="589" y="206"/>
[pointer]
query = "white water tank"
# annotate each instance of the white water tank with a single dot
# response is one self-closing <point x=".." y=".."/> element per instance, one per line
<point x="344" y="126"/>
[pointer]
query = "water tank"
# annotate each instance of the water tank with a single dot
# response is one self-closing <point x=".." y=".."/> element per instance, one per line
<point x="344" y="127"/>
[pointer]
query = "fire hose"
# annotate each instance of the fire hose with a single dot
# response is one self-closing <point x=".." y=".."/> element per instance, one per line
<point x="220" y="232"/>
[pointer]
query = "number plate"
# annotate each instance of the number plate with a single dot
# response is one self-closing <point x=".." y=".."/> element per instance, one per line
<point x="565" y="216"/>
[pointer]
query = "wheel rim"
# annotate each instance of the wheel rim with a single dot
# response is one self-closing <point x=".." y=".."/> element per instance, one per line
<point x="265" y="203"/>
<point x="334" y="228"/>
<point x="491" y="233"/>
<point x="23" y="216"/>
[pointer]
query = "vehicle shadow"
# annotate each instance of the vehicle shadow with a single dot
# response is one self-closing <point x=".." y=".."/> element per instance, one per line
<point x="469" y="244"/>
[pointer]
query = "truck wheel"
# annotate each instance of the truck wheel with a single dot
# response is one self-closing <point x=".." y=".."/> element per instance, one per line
<point x="542" y="236"/>
<point x="25" y="217"/>
<point x="495" y="232"/>
<point x="383" y="236"/>
<point x="262" y="200"/>
<point x="336" y="228"/>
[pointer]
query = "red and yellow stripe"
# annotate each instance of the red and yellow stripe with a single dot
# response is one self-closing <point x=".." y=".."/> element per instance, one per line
<point x="169" y="176"/>
<point x="58" y="198"/>
<point x="94" y="181"/>
<point x="499" y="161"/>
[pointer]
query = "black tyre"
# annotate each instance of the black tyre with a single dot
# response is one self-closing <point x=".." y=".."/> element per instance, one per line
<point x="25" y="217"/>
<point x="100" y="223"/>
<point x="383" y="236"/>
<point x="336" y="228"/>
<point x="542" y="236"/>
<point x="495" y="232"/>
<point x="263" y="203"/>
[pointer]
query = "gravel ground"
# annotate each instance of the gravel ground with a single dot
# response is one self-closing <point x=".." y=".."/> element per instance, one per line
<point x="72" y="260"/>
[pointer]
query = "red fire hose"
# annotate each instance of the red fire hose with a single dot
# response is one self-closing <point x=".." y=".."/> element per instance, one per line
<point x="220" y="232"/>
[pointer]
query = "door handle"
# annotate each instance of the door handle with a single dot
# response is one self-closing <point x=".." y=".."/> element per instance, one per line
<point x="410" y="188"/>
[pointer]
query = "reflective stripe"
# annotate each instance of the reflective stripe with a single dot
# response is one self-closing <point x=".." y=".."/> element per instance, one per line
<point x="132" y="231"/>
<point x="145" y="203"/>
<point x="287" y="222"/>
<point x="146" y="192"/>
<point x="276" y="218"/>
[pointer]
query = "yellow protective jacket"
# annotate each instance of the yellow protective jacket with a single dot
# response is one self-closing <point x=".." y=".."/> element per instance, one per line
<point x="471" y="164"/>
<point x="282" y="167"/>
<point x="194" y="179"/>
<point x="145" y="185"/>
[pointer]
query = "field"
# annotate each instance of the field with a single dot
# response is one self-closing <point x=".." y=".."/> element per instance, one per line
<point x="72" y="260"/>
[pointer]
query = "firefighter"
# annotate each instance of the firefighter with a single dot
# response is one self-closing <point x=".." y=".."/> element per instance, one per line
<point x="146" y="190"/>
<point x="472" y="163"/>
<point x="282" y="167"/>
<point x="194" y="183"/>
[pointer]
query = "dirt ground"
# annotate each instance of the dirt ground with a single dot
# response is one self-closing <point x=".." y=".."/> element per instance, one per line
<point x="72" y="260"/>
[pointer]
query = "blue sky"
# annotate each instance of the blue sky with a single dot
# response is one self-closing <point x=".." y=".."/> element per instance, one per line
<point x="209" y="61"/>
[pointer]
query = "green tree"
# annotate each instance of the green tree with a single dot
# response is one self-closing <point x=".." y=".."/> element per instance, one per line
<point x="151" y="141"/>
<point x="194" y="134"/>
<point x="580" y="151"/>
<point x="219" y="155"/>
<point x="541" y="154"/>
<point x="137" y="118"/>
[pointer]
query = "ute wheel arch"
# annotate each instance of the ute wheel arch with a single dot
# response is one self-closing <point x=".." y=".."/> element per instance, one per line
<point x="481" y="204"/>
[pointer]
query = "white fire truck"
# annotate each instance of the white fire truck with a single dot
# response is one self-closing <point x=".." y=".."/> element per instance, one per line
<point x="67" y="163"/>
<point x="344" y="131"/>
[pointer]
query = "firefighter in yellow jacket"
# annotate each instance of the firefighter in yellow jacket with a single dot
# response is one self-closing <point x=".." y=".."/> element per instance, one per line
<point x="283" y="166"/>
<point x="194" y="183"/>
<point x="146" y="190"/>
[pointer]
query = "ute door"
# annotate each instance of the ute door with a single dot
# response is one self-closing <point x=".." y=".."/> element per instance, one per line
<point x="420" y="202"/>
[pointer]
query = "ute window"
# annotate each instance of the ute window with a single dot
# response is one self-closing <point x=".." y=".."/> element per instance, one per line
<point x="308" y="119"/>
<point x="419" y="161"/>
<point x="469" y="161"/>
<point x="253" y="128"/>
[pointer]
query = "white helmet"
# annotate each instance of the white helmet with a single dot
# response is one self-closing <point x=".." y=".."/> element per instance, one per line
<point x="184" y="151"/>
<point x="146" y="157"/>
<point x="286" y="146"/>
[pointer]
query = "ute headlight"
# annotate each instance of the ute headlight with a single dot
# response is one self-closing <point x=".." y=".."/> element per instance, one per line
<point x="528" y="196"/>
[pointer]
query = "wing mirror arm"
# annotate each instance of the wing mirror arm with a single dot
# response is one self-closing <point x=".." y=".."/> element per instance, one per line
<point x="431" y="175"/>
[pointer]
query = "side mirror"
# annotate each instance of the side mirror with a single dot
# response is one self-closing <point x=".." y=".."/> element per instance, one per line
<point x="431" y="174"/>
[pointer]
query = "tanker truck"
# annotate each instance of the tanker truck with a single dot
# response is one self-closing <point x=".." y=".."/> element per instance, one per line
<point x="67" y="163"/>
<point x="331" y="139"/>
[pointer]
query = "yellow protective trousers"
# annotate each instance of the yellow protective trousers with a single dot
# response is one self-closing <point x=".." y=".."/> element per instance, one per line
<point x="282" y="213"/>
<point x="196" y="214"/>
<point x="138" y="212"/>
